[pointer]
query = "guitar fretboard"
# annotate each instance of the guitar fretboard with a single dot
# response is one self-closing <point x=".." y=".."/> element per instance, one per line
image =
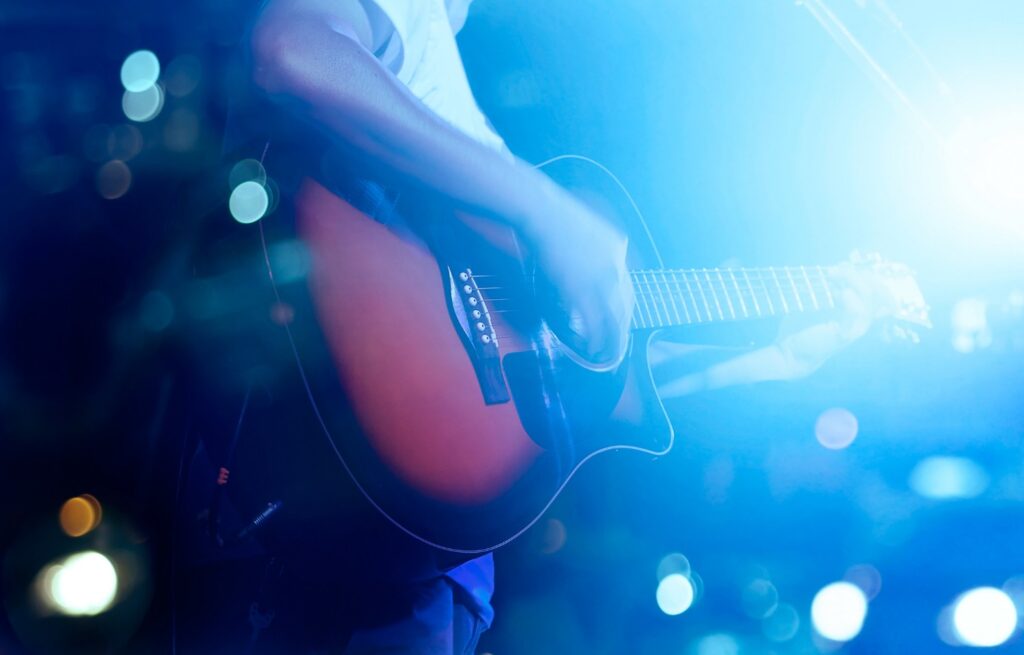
<point x="672" y="297"/>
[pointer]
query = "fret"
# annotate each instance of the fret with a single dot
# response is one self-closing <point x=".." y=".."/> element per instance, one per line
<point x="692" y="297"/>
<point x="828" y="291"/>
<point x="643" y="299"/>
<point x="753" y="294"/>
<point x="638" y="316"/>
<point x="686" y="310"/>
<point x="728" y="300"/>
<point x="782" y="296"/>
<point x="664" y="302"/>
<point x="799" y="303"/>
<point x="714" y="295"/>
<point x="814" y="298"/>
<point x="671" y="296"/>
<point x="654" y="301"/>
<point x="739" y="294"/>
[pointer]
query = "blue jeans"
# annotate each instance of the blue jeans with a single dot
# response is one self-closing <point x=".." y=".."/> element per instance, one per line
<point x="438" y="624"/>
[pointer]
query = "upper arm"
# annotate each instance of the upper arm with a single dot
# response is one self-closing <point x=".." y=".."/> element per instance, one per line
<point x="284" y="25"/>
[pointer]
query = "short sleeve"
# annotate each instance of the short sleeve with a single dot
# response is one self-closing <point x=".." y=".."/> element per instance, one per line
<point x="410" y="20"/>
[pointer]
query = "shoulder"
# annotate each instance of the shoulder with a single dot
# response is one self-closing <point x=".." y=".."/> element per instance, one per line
<point x="348" y="17"/>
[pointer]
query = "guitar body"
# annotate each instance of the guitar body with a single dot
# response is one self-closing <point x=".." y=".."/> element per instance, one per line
<point x="472" y="413"/>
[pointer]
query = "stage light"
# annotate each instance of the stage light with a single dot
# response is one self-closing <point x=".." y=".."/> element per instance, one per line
<point x="83" y="584"/>
<point x="673" y="563"/>
<point x="866" y="577"/>
<point x="970" y="325"/>
<point x="986" y="160"/>
<point x="183" y="75"/>
<point x="143" y="106"/>
<point x="948" y="477"/>
<point x="838" y="611"/>
<point x="124" y="142"/>
<point x="80" y="515"/>
<point x="113" y="179"/>
<point x="759" y="598"/>
<point x="156" y="311"/>
<point x="782" y="624"/>
<point x="290" y="260"/>
<point x="247" y="170"/>
<point x="675" y="594"/>
<point x="553" y="538"/>
<point x="718" y="644"/>
<point x="248" y="202"/>
<point x="836" y="428"/>
<point x="140" y="71"/>
<point x="985" y="616"/>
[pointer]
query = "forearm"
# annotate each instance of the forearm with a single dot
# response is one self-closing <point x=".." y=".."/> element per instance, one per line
<point x="677" y="374"/>
<point x="760" y="365"/>
<point x="330" y="78"/>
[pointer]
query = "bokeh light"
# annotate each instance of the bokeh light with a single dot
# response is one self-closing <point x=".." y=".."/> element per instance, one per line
<point x="970" y="325"/>
<point x="80" y="515"/>
<point x="836" y="428"/>
<point x="718" y="644"/>
<point x="782" y="624"/>
<point x="156" y="311"/>
<point x="124" y="142"/>
<point x="675" y="594"/>
<point x="866" y="577"/>
<point x="183" y="75"/>
<point x="140" y="71"/>
<point x="290" y="260"/>
<point x="143" y="106"/>
<point x="673" y="563"/>
<point x="986" y="161"/>
<point x="248" y="202"/>
<point x="83" y="584"/>
<point x="759" y="598"/>
<point x="838" y="611"/>
<point x="984" y="616"/>
<point x="113" y="179"/>
<point x="247" y="170"/>
<point x="553" y="537"/>
<point x="943" y="477"/>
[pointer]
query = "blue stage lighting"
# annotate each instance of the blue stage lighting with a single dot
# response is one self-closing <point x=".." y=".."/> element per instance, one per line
<point x="984" y="616"/>
<point x="838" y="611"/>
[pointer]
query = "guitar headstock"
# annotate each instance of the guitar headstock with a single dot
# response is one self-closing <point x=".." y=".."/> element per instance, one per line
<point x="894" y="293"/>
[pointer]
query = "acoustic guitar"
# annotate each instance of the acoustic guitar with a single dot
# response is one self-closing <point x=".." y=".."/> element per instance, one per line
<point x="473" y="410"/>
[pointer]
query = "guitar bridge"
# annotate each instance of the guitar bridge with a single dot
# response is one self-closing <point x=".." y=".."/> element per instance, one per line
<point x="478" y="335"/>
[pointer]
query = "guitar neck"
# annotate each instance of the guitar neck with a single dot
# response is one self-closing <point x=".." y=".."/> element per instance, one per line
<point x="673" y="297"/>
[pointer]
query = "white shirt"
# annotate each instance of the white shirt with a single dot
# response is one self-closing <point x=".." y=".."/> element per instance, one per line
<point x="423" y="55"/>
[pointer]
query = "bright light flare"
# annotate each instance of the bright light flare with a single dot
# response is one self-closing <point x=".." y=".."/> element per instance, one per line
<point x="836" y="428"/>
<point x="83" y="584"/>
<point x="675" y="594"/>
<point x="944" y="478"/>
<point x="80" y="515"/>
<point x="986" y="164"/>
<point x="249" y="201"/>
<point x="838" y="611"/>
<point x="985" y="617"/>
<point x="140" y="71"/>
<point x="143" y="106"/>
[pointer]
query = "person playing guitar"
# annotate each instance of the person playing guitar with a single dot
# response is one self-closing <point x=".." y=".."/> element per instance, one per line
<point x="379" y="86"/>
